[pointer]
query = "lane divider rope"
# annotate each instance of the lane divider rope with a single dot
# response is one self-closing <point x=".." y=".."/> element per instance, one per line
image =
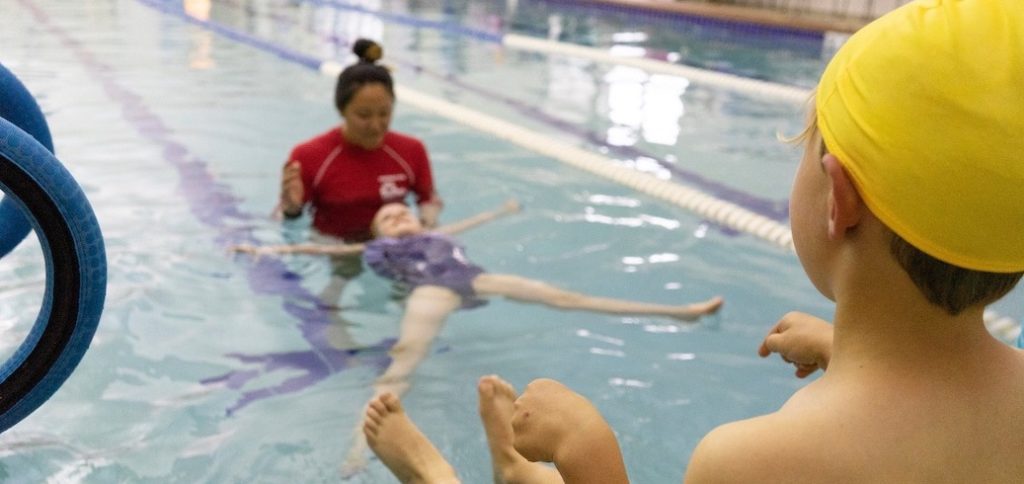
<point x="718" y="211"/>
<point x="721" y="212"/>
<point x="753" y="87"/>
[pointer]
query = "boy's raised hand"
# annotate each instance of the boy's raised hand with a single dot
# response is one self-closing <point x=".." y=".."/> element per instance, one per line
<point x="802" y="340"/>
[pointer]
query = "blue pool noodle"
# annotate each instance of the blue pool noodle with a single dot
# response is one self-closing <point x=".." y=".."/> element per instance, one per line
<point x="42" y="195"/>
<point x="19" y="107"/>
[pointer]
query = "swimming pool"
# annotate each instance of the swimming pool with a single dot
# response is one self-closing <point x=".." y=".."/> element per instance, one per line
<point x="212" y="368"/>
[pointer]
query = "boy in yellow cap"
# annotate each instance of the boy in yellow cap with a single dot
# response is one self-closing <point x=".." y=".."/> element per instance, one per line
<point x="907" y="212"/>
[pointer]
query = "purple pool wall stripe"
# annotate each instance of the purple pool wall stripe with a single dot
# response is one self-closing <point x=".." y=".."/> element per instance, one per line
<point x="721" y="23"/>
<point x="449" y="27"/>
<point x="286" y="54"/>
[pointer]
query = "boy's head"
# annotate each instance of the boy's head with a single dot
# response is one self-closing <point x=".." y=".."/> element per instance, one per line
<point x="395" y="220"/>
<point x="924" y="110"/>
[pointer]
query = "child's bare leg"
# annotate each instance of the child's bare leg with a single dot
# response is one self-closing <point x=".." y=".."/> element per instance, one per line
<point x="343" y="269"/>
<point x="401" y="446"/>
<point x="529" y="290"/>
<point x="330" y="296"/>
<point x="496" y="407"/>
<point x="426" y="310"/>
<point x="552" y="423"/>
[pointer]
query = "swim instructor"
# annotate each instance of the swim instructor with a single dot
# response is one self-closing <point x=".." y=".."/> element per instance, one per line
<point x="347" y="173"/>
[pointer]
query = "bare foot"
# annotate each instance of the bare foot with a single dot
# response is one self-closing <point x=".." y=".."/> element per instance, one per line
<point x="691" y="312"/>
<point x="401" y="446"/>
<point x="497" y="398"/>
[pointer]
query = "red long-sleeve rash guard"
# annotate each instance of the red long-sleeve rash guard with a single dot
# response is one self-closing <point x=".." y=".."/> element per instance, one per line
<point x="346" y="184"/>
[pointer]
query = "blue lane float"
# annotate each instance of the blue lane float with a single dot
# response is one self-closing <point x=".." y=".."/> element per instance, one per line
<point x="42" y="195"/>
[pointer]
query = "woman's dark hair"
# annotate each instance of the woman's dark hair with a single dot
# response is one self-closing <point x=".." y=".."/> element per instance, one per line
<point x="364" y="72"/>
<point x="367" y="50"/>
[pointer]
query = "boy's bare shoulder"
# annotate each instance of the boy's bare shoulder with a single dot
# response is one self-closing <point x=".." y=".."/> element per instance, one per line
<point x="819" y="435"/>
<point x="863" y="433"/>
<point x="769" y="448"/>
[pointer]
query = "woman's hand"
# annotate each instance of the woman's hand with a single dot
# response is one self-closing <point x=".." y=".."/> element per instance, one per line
<point x="292" y="193"/>
<point x="430" y="212"/>
<point x="802" y="340"/>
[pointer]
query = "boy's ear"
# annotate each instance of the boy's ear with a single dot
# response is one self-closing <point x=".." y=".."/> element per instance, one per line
<point x="845" y="205"/>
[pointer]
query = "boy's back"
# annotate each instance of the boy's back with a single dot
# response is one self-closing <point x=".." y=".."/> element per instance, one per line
<point x="957" y="421"/>
<point x="906" y="212"/>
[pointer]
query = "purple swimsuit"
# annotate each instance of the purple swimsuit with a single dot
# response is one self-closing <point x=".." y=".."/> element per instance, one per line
<point x="425" y="259"/>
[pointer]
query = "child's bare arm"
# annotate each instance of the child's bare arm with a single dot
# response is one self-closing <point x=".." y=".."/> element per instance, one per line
<point x="311" y="249"/>
<point x="511" y="206"/>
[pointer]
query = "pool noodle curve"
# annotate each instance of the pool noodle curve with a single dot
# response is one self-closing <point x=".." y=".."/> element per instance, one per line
<point x="41" y="194"/>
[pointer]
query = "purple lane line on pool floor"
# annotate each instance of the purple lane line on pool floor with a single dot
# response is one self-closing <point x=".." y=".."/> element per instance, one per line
<point x="214" y="205"/>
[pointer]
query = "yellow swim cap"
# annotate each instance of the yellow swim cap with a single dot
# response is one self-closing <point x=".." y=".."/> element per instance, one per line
<point x="924" y="107"/>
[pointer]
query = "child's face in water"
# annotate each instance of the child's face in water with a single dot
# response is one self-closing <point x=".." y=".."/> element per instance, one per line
<point x="395" y="220"/>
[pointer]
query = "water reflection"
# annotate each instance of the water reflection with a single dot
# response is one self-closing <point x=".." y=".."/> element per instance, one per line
<point x="200" y="56"/>
<point x="651" y="259"/>
<point x="591" y="215"/>
<point x="199" y="9"/>
<point x="642" y="106"/>
<point x="337" y="29"/>
<point x="599" y="199"/>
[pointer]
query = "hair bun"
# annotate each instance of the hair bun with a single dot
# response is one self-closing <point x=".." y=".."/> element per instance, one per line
<point x="368" y="51"/>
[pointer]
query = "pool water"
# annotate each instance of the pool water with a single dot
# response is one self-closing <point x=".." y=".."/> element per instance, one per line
<point x="211" y="367"/>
